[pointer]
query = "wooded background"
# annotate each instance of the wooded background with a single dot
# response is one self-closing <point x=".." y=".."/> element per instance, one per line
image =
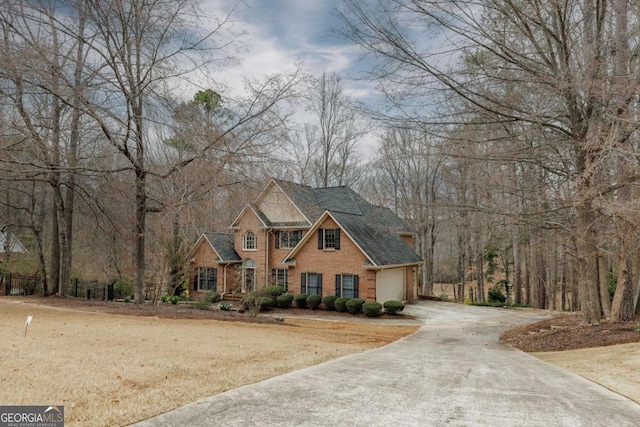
<point x="506" y="137"/>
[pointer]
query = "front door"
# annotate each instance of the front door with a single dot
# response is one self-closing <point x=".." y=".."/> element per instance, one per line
<point x="248" y="276"/>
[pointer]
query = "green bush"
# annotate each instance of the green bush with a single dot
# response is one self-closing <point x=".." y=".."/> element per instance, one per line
<point x="273" y="291"/>
<point x="225" y="306"/>
<point x="174" y="299"/>
<point x="495" y="294"/>
<point x="212" y="297"/>
<point x="313" y="301"/>
<point x="300" y="300"/>
<point x="127" y="299"/>
<point x="372" y="309"/>
<point x="124" y="286"/>
<point x="354" y="305"/>
<point x="341" y="304"/>
<point x="393" y="306"/>
<point x="329" y="302"/>
<point x="266" y="302"/>
<point x="284" y="300"/>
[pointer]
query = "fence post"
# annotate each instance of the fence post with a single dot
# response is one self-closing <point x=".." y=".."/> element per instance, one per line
<point x="110" y="292"/>
<point x="88" y="293"/>
<point x="76" y="293"/>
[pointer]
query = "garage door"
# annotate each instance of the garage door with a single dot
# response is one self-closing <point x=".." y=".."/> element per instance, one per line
<point x="390" y="285"/>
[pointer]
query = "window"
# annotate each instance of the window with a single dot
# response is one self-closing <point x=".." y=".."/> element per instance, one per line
<point x="280" y="277"/>
<point x="249" y="242"/>
<point x="329" y="238"/>
<point x="205" y="279"/>
<point x="311" y="284"/>
<point x="347" y="285"/>
<point x="287" y="239"/>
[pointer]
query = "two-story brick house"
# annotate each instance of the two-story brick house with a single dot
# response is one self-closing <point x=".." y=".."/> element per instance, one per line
<point x="327" y="241"/>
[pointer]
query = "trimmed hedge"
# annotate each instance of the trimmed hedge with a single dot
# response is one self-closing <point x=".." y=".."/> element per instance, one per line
<point x="266" y="302"/>
<point x="313" y="301"/>
<point x="393" y="307"/>
<point x="273" y="291"/>
<point x="300" y="300"/>
<point x="354" y="305"/>
<point x="284" y="301"/>
<point x="372" y="309"/>
<point x="341" y="304"/>
<point x="329" y="302"/>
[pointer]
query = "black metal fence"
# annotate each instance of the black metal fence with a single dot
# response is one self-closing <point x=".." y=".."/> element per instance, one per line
<point x="22" y="284"/>
<point x="93" y="290"/>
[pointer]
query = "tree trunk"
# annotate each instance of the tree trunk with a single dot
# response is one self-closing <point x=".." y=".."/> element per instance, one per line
<point x="480" y="277"/>
<point x="622" y="305"/>
<point x="517" y="273"/>
<point x="587" y="264"/>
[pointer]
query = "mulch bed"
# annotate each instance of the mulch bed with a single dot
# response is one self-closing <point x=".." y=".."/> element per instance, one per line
<point x="191" y="311"/>
<point x="567" y="333"/>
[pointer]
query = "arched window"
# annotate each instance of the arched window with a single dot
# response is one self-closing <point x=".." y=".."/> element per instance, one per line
<point x="249" y="243"/>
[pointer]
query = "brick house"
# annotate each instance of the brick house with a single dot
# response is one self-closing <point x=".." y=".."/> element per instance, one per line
<point x="327" y="241"/>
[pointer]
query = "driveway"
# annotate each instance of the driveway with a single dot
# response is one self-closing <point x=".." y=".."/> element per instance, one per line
<point x="452" y="372"/>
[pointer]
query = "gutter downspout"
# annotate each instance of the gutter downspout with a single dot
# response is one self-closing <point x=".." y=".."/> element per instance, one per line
<point x="224" y="281"/>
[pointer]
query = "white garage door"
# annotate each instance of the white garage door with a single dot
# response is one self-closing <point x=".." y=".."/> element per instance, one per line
<point x="390" y="285"/>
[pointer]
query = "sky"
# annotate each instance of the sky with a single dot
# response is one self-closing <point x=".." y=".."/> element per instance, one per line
<point x="277" y="35"/>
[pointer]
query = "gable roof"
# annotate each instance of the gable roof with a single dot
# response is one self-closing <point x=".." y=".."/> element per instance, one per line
<point x="374" y="229"/>
<point x="221" y="243"/>
<point x="251" y="206"/>
<point x="381" y="246"/>
<point x="9" y="243"/>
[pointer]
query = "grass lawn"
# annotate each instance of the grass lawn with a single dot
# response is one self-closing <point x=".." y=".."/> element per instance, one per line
<point x="109" y="369"/>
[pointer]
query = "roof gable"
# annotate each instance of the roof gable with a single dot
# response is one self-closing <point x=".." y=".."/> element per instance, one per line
<point x="9" y="243"/>
<point x="251" y="208"/>
<point x="223" y="244"/>
<point x="380" y="247"/>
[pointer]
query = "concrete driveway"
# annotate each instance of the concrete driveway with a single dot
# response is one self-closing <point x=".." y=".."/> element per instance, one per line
<point x="452" y="372"/>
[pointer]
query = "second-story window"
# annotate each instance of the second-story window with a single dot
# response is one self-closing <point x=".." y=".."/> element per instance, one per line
<point x="249" y="242"/>
<point x="329" y="238"/>
<point x="286" y="239"/>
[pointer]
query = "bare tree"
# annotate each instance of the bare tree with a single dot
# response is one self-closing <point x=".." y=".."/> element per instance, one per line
<point x="541" y="66"/>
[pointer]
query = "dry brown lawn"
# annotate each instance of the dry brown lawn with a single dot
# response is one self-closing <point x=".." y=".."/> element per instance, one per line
<point x="109" y="369"/>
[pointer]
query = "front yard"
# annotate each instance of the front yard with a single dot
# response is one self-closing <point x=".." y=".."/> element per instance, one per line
<point x="112" y="369"/>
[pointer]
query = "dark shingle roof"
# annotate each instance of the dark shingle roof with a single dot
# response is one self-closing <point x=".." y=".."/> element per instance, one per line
<point x="382" y="246"/>
<point x="223" y="244"/>
<point x="375" y="229"/>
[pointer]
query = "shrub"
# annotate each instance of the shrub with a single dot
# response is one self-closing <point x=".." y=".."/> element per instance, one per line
<point x="127" y="299"/>
<point x="313" y="301"/>
<point x="164" y="298"/>
<point x="393" y="306"/>
<point x="252" y="301"/>
<point x="495" y="294"/>
<point x="266" y="302"/>
<point x="174" y="300"/>
<point x="284" y="300"/>
<point x="273" y="291"/>
<point x="300" y="300"/>
<point x="354" y="305"/>
<point x="212" y="297"/>
<point x="203" y="303"/>
<point x="225" y="306"/>
<point x="372" y="309"/>
<point x="443" y="296"/>
<point x="341" y="304"/>
<point x="329" y="302"/>
<point x="123" y="286"/>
